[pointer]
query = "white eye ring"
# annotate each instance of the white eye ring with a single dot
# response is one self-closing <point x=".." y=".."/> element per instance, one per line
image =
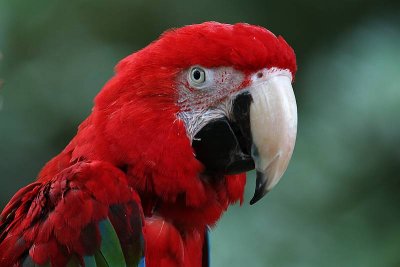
<point x="197" y="76"/>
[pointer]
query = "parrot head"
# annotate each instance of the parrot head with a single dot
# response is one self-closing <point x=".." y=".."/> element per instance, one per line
<point x="201" y="103"/>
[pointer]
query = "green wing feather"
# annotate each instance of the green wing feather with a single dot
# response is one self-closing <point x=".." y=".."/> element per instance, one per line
<point x="110" y="246"/>
<point x="89" y="261"/>
<point x="101" y="260"/>
<point x="122" y="241"/>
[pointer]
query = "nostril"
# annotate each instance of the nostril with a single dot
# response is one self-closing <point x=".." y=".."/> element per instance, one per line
<point x="260" y="75"/>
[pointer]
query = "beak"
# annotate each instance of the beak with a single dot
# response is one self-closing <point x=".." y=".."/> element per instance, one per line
<point x="273" y="124"/>
<point x="260" y="132"/>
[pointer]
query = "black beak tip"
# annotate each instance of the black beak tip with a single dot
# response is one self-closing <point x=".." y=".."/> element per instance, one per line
<point x="261" y="184"/>
<point x="258" y="194"/>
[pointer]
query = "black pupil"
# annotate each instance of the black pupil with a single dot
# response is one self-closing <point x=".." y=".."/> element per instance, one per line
<point x="196" y="74"/>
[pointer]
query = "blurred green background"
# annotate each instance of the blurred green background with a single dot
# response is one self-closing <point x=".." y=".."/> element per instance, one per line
<point x="339" y="202"/>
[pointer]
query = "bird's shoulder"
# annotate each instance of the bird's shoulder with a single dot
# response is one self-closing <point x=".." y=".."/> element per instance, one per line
<point x="86" y="214"/>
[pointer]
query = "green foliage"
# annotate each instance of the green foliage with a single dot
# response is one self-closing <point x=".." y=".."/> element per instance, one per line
<point x="338" y="204"/>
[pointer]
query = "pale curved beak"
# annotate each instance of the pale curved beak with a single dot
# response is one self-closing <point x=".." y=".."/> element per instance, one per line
<point x="273" y="123"/>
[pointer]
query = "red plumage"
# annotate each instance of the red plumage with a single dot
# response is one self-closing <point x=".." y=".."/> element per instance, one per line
<point x="133" y="148"/>
<point x="51" y="219"/>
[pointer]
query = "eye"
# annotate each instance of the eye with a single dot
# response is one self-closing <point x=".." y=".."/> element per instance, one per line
<point x="197" y="76"/>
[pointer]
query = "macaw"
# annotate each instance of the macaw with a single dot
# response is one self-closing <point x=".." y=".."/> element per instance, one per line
<point x="163" y="153"/>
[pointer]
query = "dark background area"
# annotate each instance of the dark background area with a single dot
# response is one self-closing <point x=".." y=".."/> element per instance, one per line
<point x="339" y="202"/>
